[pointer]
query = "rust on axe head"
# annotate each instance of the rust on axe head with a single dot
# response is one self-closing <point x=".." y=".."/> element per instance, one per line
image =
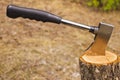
<point x="102" y="37"/>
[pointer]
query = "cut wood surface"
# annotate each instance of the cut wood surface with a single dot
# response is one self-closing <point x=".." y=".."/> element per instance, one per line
<point x="100" y="59"/>
<point x="100" y="67"/>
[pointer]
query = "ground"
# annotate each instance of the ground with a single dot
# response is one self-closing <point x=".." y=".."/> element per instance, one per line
<point x="31" y="50"/>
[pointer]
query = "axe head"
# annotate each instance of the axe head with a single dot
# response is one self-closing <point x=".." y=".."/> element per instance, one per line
<point x="102" y="36"/>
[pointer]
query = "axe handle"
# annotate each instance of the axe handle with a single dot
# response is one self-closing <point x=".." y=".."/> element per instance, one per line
<point x="33" y="14"/>
<point x="39" y="15"/>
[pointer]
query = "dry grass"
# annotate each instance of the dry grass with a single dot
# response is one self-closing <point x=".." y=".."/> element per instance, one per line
<point x="31" y="50"/>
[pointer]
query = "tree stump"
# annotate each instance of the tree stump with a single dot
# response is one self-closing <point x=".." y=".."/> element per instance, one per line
<point x="100" y="67"/>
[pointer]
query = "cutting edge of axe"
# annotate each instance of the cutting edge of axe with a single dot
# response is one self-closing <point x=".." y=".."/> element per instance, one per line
<point x="102" y="32"/>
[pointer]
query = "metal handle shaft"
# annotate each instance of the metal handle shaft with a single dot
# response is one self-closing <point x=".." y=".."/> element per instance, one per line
<point x="75" y="24"/>
<point x="78" y="25"/>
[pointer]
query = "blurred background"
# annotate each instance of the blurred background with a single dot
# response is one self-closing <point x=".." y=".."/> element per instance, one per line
<point x="31" y="50"/>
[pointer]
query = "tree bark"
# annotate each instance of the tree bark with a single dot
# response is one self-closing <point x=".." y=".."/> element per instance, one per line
<point x="89" y="71"/>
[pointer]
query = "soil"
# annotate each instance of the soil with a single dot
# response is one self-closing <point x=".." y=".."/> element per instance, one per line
<point x="32" y="50"/>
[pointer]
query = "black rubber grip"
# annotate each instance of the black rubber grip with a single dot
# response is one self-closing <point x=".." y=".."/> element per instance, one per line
<point x="34" y="14"/>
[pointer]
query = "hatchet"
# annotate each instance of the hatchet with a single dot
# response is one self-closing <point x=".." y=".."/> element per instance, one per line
<point x="102" y="32"/>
